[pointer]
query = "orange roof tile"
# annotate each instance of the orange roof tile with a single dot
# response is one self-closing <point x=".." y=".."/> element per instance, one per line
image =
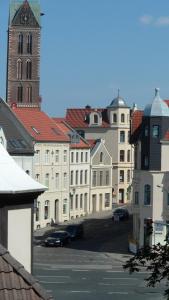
<point x="39" y="125"/>
<point x="136" y="120"/>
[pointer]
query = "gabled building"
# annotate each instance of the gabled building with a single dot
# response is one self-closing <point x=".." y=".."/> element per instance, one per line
<point x="101" y="177"/>
<point x="150" y="137"/>
<point x="113" y="125"/>
<point x="51" y="164"/>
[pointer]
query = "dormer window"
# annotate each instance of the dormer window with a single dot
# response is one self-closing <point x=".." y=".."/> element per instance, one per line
<point x="96" y="119"/>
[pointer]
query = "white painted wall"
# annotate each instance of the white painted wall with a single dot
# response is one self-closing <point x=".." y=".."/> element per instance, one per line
<point x="19" y="236"/>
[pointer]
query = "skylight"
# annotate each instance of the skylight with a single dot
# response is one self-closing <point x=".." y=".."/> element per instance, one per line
<point x="34" y="129"/>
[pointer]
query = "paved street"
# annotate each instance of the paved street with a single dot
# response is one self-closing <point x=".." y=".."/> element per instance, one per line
<point x="92" y="268"/>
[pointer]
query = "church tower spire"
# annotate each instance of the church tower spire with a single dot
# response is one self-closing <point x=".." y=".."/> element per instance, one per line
<point x="23" y="57"/>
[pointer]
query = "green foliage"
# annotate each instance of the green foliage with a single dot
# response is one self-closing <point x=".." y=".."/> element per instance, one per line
<point x="155" y="260"/>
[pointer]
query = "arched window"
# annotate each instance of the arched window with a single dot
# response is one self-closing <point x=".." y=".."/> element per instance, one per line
<point x="95" y="119"/>
<point x="20" y="43"/>
<point x="28" y="69"/>
<point x="147" y="194"/>
<point x="29" y="93"/>
<point x="101" y="157"/>
<point x="122" y="118"/>
<point x="29" y="43"/>
<point x="46" y="210"/>
<point x="20" y="94"/>
<point x="19" y="69"/>
<point x="114" y="118"/>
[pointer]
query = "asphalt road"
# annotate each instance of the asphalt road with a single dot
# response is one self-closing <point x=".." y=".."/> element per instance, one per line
<point x="91" y="269"/>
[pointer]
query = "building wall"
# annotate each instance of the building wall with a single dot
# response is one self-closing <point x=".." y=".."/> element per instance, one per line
<point x="50" y="170"/>
<point x="16" y="242"/>
<point x="25" y="162"/>
<point x="79" y="182"/>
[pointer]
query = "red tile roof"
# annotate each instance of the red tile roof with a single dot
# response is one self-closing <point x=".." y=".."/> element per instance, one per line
<point x="39" y="125"/>
<point x="76" y="117"/>
<point x="64" y="127"/>
<point x="136" y="120"/>
<point x="166" y="137"/>
<point x="166" y="101"/>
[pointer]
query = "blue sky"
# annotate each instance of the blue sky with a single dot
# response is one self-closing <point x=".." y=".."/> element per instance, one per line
<point x="90" y="48"/>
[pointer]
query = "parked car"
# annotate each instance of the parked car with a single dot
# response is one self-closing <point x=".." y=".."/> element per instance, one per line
<point x="57" y="238"/>
<point x="120" y="214"/>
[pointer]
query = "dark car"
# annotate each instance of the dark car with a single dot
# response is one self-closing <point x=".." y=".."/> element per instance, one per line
<point x="120" y="214"/>
<point x="57" y="238"/>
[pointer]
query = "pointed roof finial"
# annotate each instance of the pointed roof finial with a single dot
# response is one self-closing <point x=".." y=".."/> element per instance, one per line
<point x="118" y="93"/>
<point x="157" y="91"/>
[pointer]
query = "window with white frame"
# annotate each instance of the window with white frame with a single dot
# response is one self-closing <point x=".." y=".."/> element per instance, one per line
<point x="47" y="179"/>
<point x="64" y="180"/>
<point x="121" y="176"/>
<point x="57" y="181"/>
<point x="77" y="177"/>
<point x="71" y="178"/>
<point x="37" y="156"/>
<point x="71" y="202"/>
<point x="76" y="202"/>
<point x="81" y="156"/>
<point x="114" y="118"/>
<point x="77" y="157"/>
<point x="122" y="118"/>
<point x="128" y="175"/>
<point x="101" y="178"/>
<point x="122" y="136"/>
<point x="101" y="157"/>
<point x="107" y="199"/>
<point x="86" y="176"/>
<point x="81" y="201"/>
<point x="81" y="177"/>
<point x="65" y="156"/>
<point x="37" y="211"/>
<point x="94" y="178"/>
<point x="47" y="156"/>
<point x="72" y="157"/>
<point x="128" y="155"/>
<point x="46" y="210"/>
<point x="86" y="157"/>
<point x="57" y="156"/>
<point x="107" y="178"/>
<point x="65" y="206"/>
<point x="147" y="194"/>
<point x="122" y="153"/>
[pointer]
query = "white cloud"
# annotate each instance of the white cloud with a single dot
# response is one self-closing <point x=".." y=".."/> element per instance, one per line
<point x="146" y="19"/>
<point x="162" y="21"/>
<point x="150" y="20"/>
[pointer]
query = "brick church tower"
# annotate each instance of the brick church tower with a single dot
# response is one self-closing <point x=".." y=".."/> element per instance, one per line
<point x="23" y="56"/>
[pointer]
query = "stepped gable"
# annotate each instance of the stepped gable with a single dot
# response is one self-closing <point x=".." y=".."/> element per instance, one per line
<point x="16" y="283"/>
